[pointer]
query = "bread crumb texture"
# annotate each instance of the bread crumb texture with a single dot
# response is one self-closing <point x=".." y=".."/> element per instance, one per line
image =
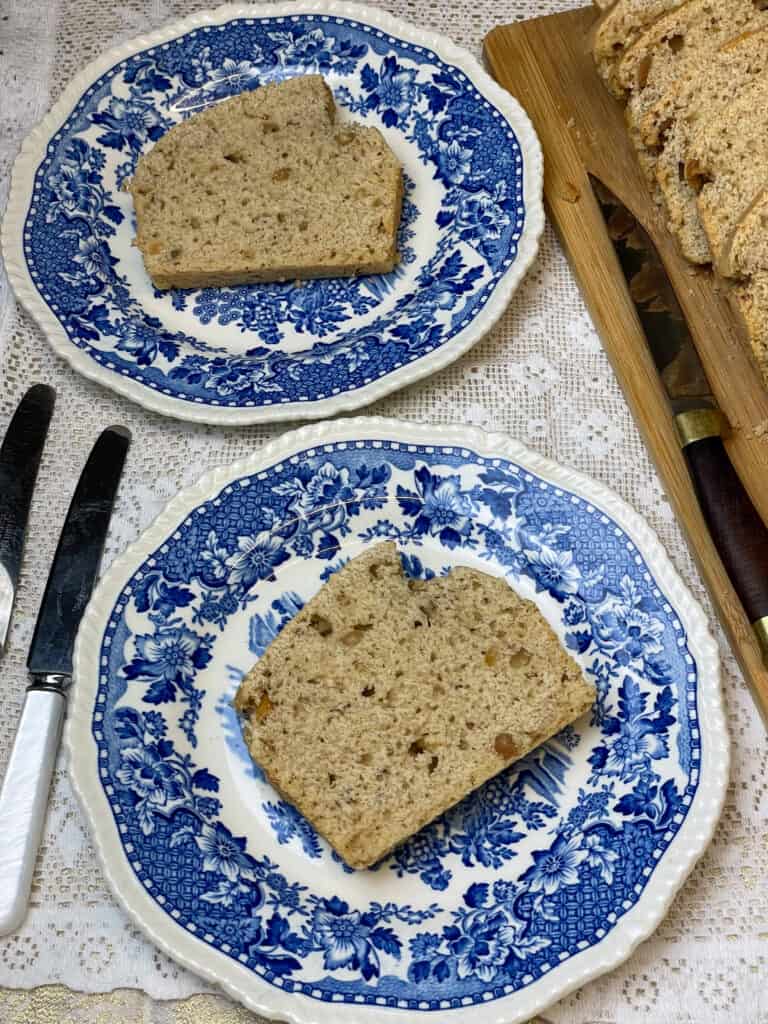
<point x="387" y="699"/>
<point x="267" y="186"/>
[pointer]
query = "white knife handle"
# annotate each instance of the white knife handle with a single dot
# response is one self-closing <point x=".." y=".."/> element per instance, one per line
<point x="24" y="799"/>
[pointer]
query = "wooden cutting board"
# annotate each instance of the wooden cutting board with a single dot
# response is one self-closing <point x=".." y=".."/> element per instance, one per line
<point x="547" y="65"/>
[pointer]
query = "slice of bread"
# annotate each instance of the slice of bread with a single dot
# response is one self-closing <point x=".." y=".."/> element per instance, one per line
<point x="679" y="199"/>
<point x="658" y="57"/>
<point x="386" y="700"/>
<point x="750" y="301"/>
<point x="748" y="252"/>
<point x="727" y="164"/>
<point x="618" y="28"/>
<point x="658" y="53"/>
<point x="707" y="82"/>
<point x="266" y="186"/>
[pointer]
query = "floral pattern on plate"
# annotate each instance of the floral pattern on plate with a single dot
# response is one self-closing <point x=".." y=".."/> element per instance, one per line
<point x="506" y="888"/>
<point x="470" y="226"/>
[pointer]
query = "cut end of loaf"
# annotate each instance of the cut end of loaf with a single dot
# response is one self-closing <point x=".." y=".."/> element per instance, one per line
<point x="386" y="700"/>
<point x="267" y="186"/>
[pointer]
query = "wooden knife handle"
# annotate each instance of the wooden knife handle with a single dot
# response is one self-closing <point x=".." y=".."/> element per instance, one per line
<point x="739" y="534"/>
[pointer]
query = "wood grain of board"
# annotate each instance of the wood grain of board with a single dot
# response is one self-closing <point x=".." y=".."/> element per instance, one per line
<point x="547" y="65"/>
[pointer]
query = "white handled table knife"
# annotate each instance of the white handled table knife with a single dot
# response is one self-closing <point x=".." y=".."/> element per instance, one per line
<point x="19" y="461"/>
<point x="24" y="793"/>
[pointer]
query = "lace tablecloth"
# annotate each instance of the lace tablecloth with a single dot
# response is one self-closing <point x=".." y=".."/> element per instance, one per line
<point x="541" y="377"/>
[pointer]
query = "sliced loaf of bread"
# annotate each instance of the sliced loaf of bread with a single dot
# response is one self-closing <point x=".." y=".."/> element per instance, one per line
<point x="679" y="41"/>
<point x="705" y="82"/>
<point x="727" y="164"/>
<point x="670" y="49"/>
<point x="267" y="186"/>
<point x="618" y="28"/>
<point x="704" y="90"/>
<point x="386" y="700"/>
<point x="675" y="47"/>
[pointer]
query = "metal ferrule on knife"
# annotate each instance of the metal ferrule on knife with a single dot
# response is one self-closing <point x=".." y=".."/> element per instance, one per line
<point x="50" y="682"/>
<point x="698" y="424"/>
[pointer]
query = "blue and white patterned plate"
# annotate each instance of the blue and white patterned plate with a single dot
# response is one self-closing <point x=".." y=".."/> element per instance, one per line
<point x="545" y="877"/>
<point x="472" y="218"/>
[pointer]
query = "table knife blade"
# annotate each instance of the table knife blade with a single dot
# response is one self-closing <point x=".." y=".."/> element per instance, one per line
<point x="20" y="455"/>
<point x="25" y="786"/>
<point x="78" y="556"/>
<point x="737" y="531"/>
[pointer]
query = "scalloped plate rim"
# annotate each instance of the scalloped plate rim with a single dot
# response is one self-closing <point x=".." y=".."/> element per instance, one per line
<point x="34" y="148"/>
<point x="638" y="924"/>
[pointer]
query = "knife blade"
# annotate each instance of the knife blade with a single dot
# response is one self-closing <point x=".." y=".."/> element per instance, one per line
<point x="664" y="324"/>
<point x="20" y="456"/>
<point x="737" y="531"/>
<point x="25" y="786"/>
<point x="78" y="555"/>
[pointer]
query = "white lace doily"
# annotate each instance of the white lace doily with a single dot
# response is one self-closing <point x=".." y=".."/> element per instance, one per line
<point x="541" y="377"/>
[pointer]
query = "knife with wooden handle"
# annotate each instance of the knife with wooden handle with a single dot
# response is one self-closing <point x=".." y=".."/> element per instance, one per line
<point x="24" y="792"/>
<point x="739" y="534"/>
